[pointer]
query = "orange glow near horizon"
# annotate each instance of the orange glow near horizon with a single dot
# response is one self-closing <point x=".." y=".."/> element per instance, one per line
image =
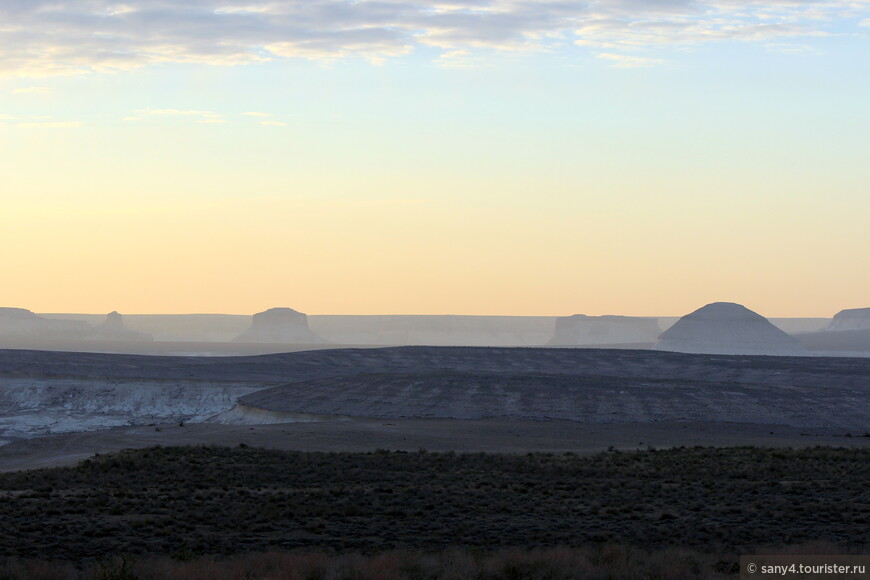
<point x="421" y="255"/>
<point x="524" y="186"/>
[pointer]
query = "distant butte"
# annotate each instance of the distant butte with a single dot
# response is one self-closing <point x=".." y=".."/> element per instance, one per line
<point x="23" y="324"/>
<point x="279" y="326"/>
<point x="728" y="328"/>
<point x="113" y="328"/>
<point x="852" y="319"/>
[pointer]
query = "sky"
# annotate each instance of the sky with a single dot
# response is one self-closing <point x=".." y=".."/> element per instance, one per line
<point x="491" y="157"/>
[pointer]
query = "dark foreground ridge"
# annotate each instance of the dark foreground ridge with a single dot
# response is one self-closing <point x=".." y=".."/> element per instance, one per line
<point x="205" y="500"/>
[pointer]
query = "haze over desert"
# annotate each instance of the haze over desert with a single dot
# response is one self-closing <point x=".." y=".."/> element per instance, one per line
<point x="443" y="290"/>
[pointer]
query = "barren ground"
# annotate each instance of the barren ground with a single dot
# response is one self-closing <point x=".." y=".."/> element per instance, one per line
<point x="508" y="400"/>
<point x="360" y="435"/>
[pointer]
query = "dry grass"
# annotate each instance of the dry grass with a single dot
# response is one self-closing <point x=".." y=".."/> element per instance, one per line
<point x="592" y="562"/>
<point x="191" y="503"/>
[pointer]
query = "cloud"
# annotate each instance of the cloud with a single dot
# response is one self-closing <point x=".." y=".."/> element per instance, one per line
<point x="202" y="117"/>
<point x="629" y="61"/>
<point x="180" y="113"/>
<point x="47" y="37"/>
<point x="39" y="121"/>
<point x="456" y="59"/>
<point x="34" y="91"/>
<point x="51" y="125"/>
<point x="790" y="48"/>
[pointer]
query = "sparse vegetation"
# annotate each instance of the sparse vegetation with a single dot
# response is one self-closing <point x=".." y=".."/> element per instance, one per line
<point x="592" y="563"/>
<point x="196" y="501"/>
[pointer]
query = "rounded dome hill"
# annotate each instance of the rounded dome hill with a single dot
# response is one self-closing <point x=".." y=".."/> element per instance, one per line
<point x="727" y="328"/>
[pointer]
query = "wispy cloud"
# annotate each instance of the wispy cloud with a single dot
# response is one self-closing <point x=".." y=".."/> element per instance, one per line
<point x="203" y="117"/>
<point x="457" y="59"/>
<point x="38" y="122"/>
<point x="180" y="113"/>
<point x="629" y="61"/>
<point x="791" y="48"/>
<point x="51" y="125"/>
<point x="34" y="91"/>
<point x="46" y="37"/>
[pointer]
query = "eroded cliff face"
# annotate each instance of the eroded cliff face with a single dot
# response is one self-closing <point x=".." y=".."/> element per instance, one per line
<point x="582" y="330"/>
<point x="727" y="328"/>
<point x="279" y="325"/>
<point x="852" y="319"/>
<point x="40" y="406"/>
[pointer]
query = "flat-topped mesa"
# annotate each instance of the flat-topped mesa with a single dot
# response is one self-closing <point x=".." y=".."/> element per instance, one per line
<point x="19" y="323"/>
<point x="113" y="328"/>
<point x="279" y="326"/>
<point x="852" y="319"/>
<point x="728" y="328"/>
<point x="580" y="330"/>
